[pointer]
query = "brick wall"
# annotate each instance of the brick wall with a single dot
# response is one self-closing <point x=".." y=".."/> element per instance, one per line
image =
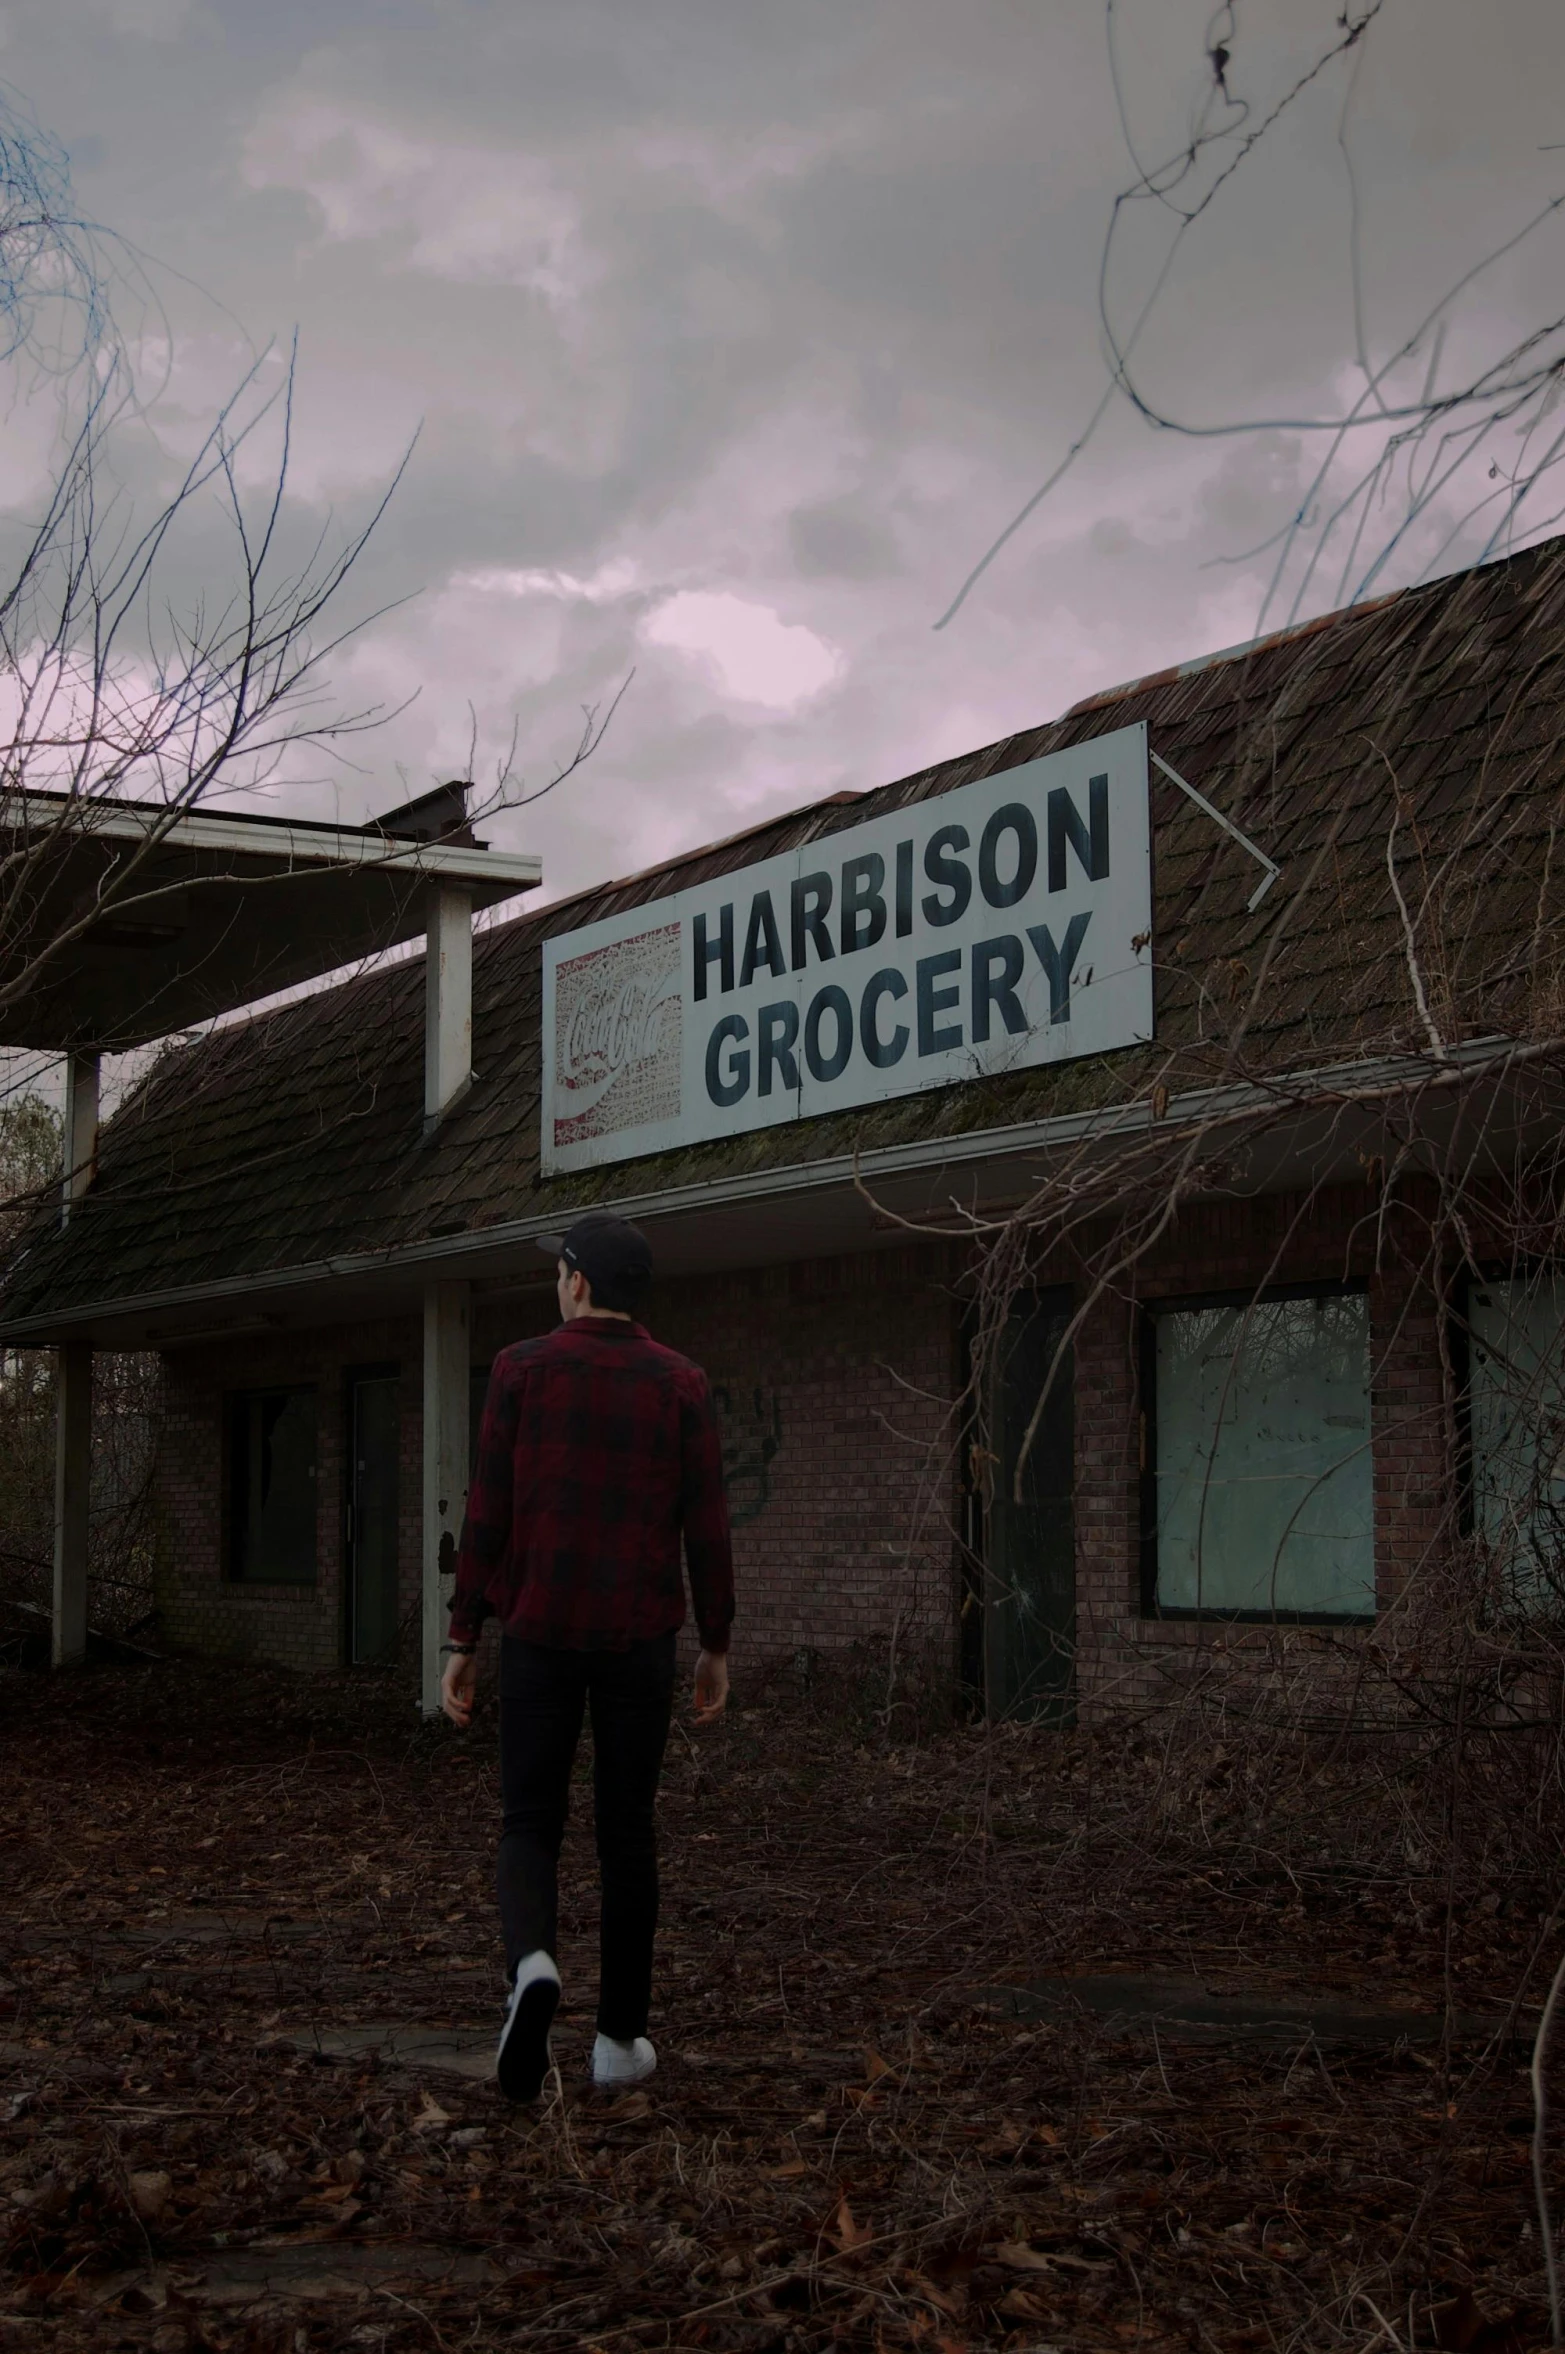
<point x="835" y="1381"/>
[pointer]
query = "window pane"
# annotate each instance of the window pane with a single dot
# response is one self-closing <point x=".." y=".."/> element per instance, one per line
<point x="272" y="1486"/>
<point x="1517" y="1403"/>
<point x="1264" y="1476"/>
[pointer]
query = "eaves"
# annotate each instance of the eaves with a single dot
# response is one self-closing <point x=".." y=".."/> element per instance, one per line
<point x="1300" y="1095"/>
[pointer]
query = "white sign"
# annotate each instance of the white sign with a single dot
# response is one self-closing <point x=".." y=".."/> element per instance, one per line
<point x="1003" y="924"/>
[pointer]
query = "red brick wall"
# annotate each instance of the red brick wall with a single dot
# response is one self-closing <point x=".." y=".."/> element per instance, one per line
<point x="835" y="1381"/>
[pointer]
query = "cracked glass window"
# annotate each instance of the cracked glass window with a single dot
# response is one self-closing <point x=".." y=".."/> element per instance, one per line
<point x="1263" y="1472"/>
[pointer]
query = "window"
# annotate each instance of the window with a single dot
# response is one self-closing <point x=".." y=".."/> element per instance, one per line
<point x="1258" y="1460"/>
<point x="1516" y="1411"/>
<point x="271" y="1486"/>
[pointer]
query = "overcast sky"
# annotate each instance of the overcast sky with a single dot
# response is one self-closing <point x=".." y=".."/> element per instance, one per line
<point x="731" y="334"/>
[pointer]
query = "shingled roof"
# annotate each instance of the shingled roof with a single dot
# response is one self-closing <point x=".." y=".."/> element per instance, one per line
<point x="1433" y="718"/>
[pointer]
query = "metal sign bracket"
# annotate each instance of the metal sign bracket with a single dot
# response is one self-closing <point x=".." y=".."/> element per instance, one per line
<point x="1273" y="870"/>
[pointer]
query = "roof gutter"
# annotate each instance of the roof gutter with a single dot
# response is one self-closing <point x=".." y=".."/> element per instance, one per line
<point x="1334" y="1086"/>
<point x="300" y="842"/>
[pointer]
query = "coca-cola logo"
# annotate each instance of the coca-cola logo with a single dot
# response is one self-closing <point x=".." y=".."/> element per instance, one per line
<point x="617" y="1035"/>
<point x="610" y="1029"/>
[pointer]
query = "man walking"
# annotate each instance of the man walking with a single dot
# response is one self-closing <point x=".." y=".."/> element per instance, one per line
<point x="597" y="1450"/>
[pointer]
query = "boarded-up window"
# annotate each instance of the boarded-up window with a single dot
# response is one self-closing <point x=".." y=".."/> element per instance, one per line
<point x="1261" y="1474"/>
<point x="1516" y="1399"/>
<point x="271" y="1486"/>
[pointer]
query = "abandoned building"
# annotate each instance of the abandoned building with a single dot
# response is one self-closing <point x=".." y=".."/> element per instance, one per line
<point x="1276" y="921"/>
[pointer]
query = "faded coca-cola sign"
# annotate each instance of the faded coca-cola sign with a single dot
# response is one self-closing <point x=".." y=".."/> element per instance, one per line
<point x="610" y="1029"/>
<point x="618" y="1036"/>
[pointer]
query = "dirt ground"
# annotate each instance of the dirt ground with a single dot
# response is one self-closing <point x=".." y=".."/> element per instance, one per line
<point x="852" y="2137"/>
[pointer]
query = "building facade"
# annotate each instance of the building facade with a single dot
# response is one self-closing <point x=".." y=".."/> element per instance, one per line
<point x="1068" y="1368"/>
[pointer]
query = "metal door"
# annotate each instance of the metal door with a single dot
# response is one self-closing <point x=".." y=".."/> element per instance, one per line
<point x="372" y="1516"/>
<point x="1030" y="1547"/>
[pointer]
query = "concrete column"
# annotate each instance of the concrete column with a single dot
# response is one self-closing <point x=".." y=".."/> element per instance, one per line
<point x="448" y="1001"/>
<point x="72" y="1471"/>
<point x="81" y="1129"/>
<point x="446" y="1358"/>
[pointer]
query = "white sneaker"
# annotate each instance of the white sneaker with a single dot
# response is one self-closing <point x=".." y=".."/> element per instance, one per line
<point x="522" y="2061"/>
<point x="619" y="2063"/>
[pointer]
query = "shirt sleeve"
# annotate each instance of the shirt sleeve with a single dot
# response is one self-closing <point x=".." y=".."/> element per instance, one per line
<point x="486" y="1524"/>
<point x="704" y="1511"/>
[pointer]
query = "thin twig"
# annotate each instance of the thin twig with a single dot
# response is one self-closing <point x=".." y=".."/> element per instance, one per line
<point x="1540" y="2045"/>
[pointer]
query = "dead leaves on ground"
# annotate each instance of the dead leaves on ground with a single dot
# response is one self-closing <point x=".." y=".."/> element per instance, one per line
<point x="846" y="2235"/>
<point x="838" y="2146"/>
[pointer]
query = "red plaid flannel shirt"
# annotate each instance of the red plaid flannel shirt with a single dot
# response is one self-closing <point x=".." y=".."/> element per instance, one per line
<point x="597" y="1449"/>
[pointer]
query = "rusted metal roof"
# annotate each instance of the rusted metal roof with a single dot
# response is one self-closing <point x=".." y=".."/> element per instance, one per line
<point x="1433" y="718"/>
<point x="1102" y="696"/>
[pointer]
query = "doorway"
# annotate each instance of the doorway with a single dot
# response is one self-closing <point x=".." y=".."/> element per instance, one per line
<point x="373" y="1434"/>
<point x="1029" y="1550"/>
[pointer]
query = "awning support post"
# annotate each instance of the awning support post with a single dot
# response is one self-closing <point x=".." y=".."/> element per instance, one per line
<point x="81" y="1129"/>
<point x="446" y="1358"/>
<point x="72" y="1478"/>
<point x="448" y="1002"/>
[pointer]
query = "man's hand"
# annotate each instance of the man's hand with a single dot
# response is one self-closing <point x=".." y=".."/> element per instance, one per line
<point x="457" y="1687"/>
<point x="711" y="1686"/>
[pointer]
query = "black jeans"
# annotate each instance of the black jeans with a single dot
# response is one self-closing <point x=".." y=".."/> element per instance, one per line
<point x="542" y="1697"/>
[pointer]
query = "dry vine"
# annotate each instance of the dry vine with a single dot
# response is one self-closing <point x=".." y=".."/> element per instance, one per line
<point x="1380" y="1114"/>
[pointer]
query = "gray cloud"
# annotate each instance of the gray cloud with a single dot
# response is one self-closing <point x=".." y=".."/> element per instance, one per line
<point x="731" y="335"/>
<point x="842" y="539"/>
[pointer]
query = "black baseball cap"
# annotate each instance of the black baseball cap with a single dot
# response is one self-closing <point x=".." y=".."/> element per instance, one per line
<point x="615" y="1257"/>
